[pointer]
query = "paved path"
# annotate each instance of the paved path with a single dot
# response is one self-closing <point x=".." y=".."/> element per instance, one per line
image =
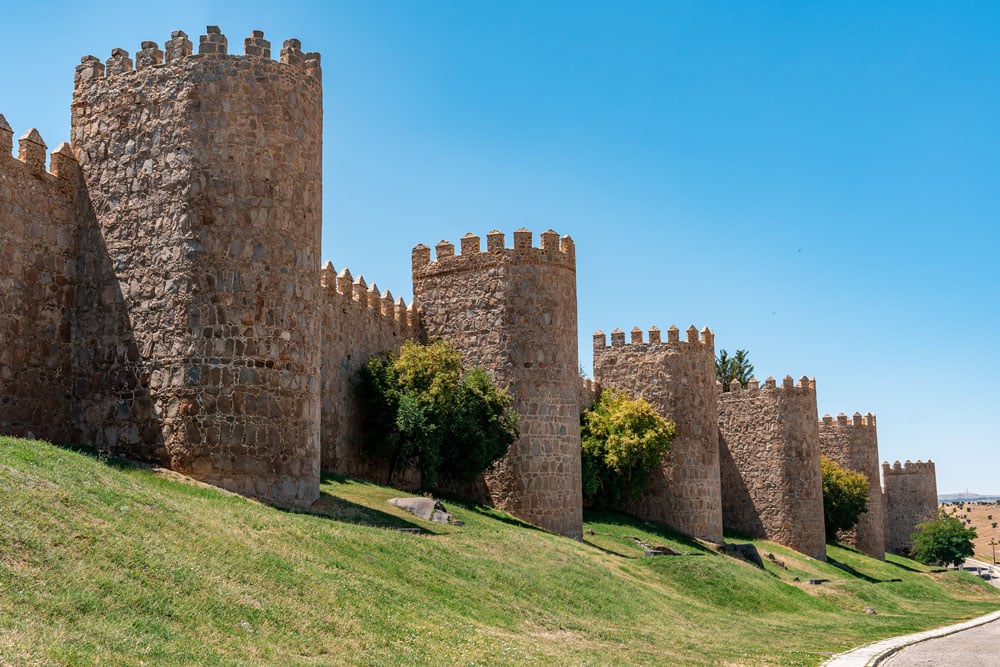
<point x="878" y="652"/>
<point x="975" y="642"/>
<point x="969" y="648"/>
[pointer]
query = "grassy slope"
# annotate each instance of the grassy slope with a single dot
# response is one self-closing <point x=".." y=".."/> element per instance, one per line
<point x="124" y="566"/>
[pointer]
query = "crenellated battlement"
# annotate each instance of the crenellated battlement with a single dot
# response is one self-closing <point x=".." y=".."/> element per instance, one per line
<point x="696" y="342"/>
<point x="179" y="48"/>
<point x="843" y="421"/>
<point x="770" y="384"/>
<point x="345" y="287"/>
<point x="908" y="468"/>
<point x="553" y="250"/>
<point x="31" y="154"/>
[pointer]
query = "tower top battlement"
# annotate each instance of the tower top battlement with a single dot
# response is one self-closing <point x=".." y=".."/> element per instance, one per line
<point x="213" y="44"/>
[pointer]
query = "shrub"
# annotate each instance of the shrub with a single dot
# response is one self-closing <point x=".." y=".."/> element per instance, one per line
<point x="623" y="440"/>
<point x="845" y="497"/>
<point x="420" y="407"/>
<point x="944" y="540"/>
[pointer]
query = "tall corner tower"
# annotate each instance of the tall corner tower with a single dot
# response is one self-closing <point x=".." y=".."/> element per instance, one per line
<point x="910" y="499"/>
<point x="513" y="312"/>
<point x="200" y="296"/>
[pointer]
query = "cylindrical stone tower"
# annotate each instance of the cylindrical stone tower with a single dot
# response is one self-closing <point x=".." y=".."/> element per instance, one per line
<point x="853" y="444"/>
<point x="204" y="176"/>
<point x="678" y="378"/>
<point x="769" y="460"/>
<point x="910" y="499"/>
<point x="513" y="312"/>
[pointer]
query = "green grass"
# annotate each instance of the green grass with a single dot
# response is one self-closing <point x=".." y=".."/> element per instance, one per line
<point x="103" y="562"/>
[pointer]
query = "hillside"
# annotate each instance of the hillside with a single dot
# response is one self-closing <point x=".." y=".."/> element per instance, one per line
<point x="101" y="561"/>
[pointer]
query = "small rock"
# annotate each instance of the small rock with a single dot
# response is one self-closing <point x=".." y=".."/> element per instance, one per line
<point x="869" y="610"/>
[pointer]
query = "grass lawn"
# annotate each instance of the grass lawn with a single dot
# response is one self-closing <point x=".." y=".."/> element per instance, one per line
<point x="104" y="562"/>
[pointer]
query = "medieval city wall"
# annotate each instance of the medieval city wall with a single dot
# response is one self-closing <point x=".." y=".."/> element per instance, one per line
<point x="678" y="378"/>
<point x="853" y="444"/>
<point x="204" y="179"/>
<point x="910" y="499"/>
<point x="359" y="322"/>
<point x="513" y="312"/>
<point x="769" y="456"/>
<point x="38" y="247"/>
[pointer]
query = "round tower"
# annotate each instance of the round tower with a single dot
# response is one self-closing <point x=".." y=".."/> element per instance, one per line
<point x="678" y="378"/>
<point x="203" y="175"/>
<point x="513" y="312"/>
<point x="769" y="461"/>
<point x="853" y="444"/>
<point x="910" y="499"/>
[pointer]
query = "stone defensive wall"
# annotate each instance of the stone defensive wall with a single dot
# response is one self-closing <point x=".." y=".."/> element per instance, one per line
<point x="678" y="378"/>
<point x="198" y="339"/>
<point x="853" y="444"/>
<point x="358" y="322"/>
<point x="513" y="312"/>
<point x="910" y="498"/>
<point x="769" y="456"/>
<point x="38" y="247"/>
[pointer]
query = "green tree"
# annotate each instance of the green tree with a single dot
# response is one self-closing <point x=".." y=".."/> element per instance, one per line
<point x="845" y="497"/>
<point x="945" y="540"/>
<point x="736" y="367"/>
<point x="623" y="440"/>
<point x="420" y="407"/>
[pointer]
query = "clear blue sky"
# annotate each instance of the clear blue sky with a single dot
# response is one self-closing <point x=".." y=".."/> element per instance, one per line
<point x="817" y="182"/>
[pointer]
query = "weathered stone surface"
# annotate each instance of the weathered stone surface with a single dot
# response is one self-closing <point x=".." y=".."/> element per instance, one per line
<point x="910" y="498"/>
<point x="354" y="328"/>
<point x="678" y="378"/>
<point x="425" y="508"/>
<point x="772" y="485"/>
<point x="513" y="312"/>
<point x="199" y="337"/>
<point x="853" y="444"/>
<point x="38" y="247"/>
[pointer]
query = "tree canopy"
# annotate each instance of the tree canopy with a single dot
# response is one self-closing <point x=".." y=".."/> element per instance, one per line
<point x="623" y="440"/>
<point x="420" y="407"/>
<point x="944" y="540"/>
<point x="736" y="367"/>
<point x="845" y="497"/>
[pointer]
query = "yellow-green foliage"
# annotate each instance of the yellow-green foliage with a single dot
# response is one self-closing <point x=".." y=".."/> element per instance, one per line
<point x="623" y="440"/>
<point x="845" y="497"/>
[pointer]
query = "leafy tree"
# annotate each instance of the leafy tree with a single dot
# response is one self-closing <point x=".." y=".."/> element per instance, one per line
<point x="845" y="497"/>
<point x="623" y="441"/>
<point x="736" y="367"/>
<point x="944" y="540"/>
<point x="422" y="408"/>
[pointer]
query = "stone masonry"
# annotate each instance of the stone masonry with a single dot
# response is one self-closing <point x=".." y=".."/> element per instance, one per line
<point x="910" y="498"/>
<point x="853" y="444"/>
<point x="161" y="298"/>
<point x="38" y="244"/>
<point x="678" y="378"/>
<point x="513" y="312"/>
<point x="769" y="455"/>
<point x="204" y="177"/>
<point x="358" y="322"/>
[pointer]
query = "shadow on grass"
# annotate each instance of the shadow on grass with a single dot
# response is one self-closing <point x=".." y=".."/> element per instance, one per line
<point x="625" y="521"/>
<point x="855" y="573"/>
<point x="110" y="460"/>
